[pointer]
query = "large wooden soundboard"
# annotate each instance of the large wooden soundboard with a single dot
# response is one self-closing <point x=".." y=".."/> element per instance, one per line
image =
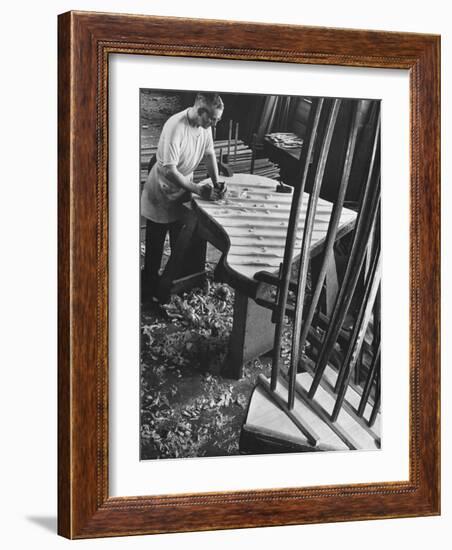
<point x="249" y="227"/>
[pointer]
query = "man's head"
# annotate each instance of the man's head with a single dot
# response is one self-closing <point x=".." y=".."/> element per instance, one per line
<point x="208" y="108"/>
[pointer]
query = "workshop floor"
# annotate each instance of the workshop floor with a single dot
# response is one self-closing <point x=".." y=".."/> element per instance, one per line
<point x="187" y="408"/>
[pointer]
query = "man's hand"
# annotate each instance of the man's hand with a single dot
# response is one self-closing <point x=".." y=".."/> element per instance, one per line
<point x="204" y="190"/>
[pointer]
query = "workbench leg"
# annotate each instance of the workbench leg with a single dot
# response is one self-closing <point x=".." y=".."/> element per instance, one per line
<point x="252" y="334"/>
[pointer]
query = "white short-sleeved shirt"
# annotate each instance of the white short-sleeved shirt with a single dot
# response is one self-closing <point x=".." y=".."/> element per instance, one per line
<point x="183" y="146"/>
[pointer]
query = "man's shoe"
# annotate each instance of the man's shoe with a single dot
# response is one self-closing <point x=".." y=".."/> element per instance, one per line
<point x="155" y="307"/>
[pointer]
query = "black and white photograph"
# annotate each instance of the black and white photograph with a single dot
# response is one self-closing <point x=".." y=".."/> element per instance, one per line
<point x="260" y="274"/>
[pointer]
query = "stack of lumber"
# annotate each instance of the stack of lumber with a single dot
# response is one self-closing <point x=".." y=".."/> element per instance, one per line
<point x="286" y="140"/>
<point x="239" y="161"/>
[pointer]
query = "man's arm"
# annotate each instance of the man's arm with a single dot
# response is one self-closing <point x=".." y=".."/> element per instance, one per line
<point x="174" y="176"/>
<point x="219" y="188"/>
<point x="212" y="167"/>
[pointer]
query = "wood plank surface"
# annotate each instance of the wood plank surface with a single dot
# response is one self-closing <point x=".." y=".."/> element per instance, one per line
<point x="255" y="217"/>
<point x="264" y="413"/>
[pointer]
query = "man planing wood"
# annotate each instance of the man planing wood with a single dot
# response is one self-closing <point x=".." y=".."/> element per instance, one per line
<point x="185" y="140"/>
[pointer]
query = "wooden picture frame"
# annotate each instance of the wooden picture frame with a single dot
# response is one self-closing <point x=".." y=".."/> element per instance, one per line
<point x="85" y="508"/>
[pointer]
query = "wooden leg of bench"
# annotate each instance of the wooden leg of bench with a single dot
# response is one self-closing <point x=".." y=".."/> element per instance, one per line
<point x="252" y="334"/>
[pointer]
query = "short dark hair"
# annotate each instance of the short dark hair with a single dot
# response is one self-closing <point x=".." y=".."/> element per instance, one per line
<point x="212" y="99"/>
